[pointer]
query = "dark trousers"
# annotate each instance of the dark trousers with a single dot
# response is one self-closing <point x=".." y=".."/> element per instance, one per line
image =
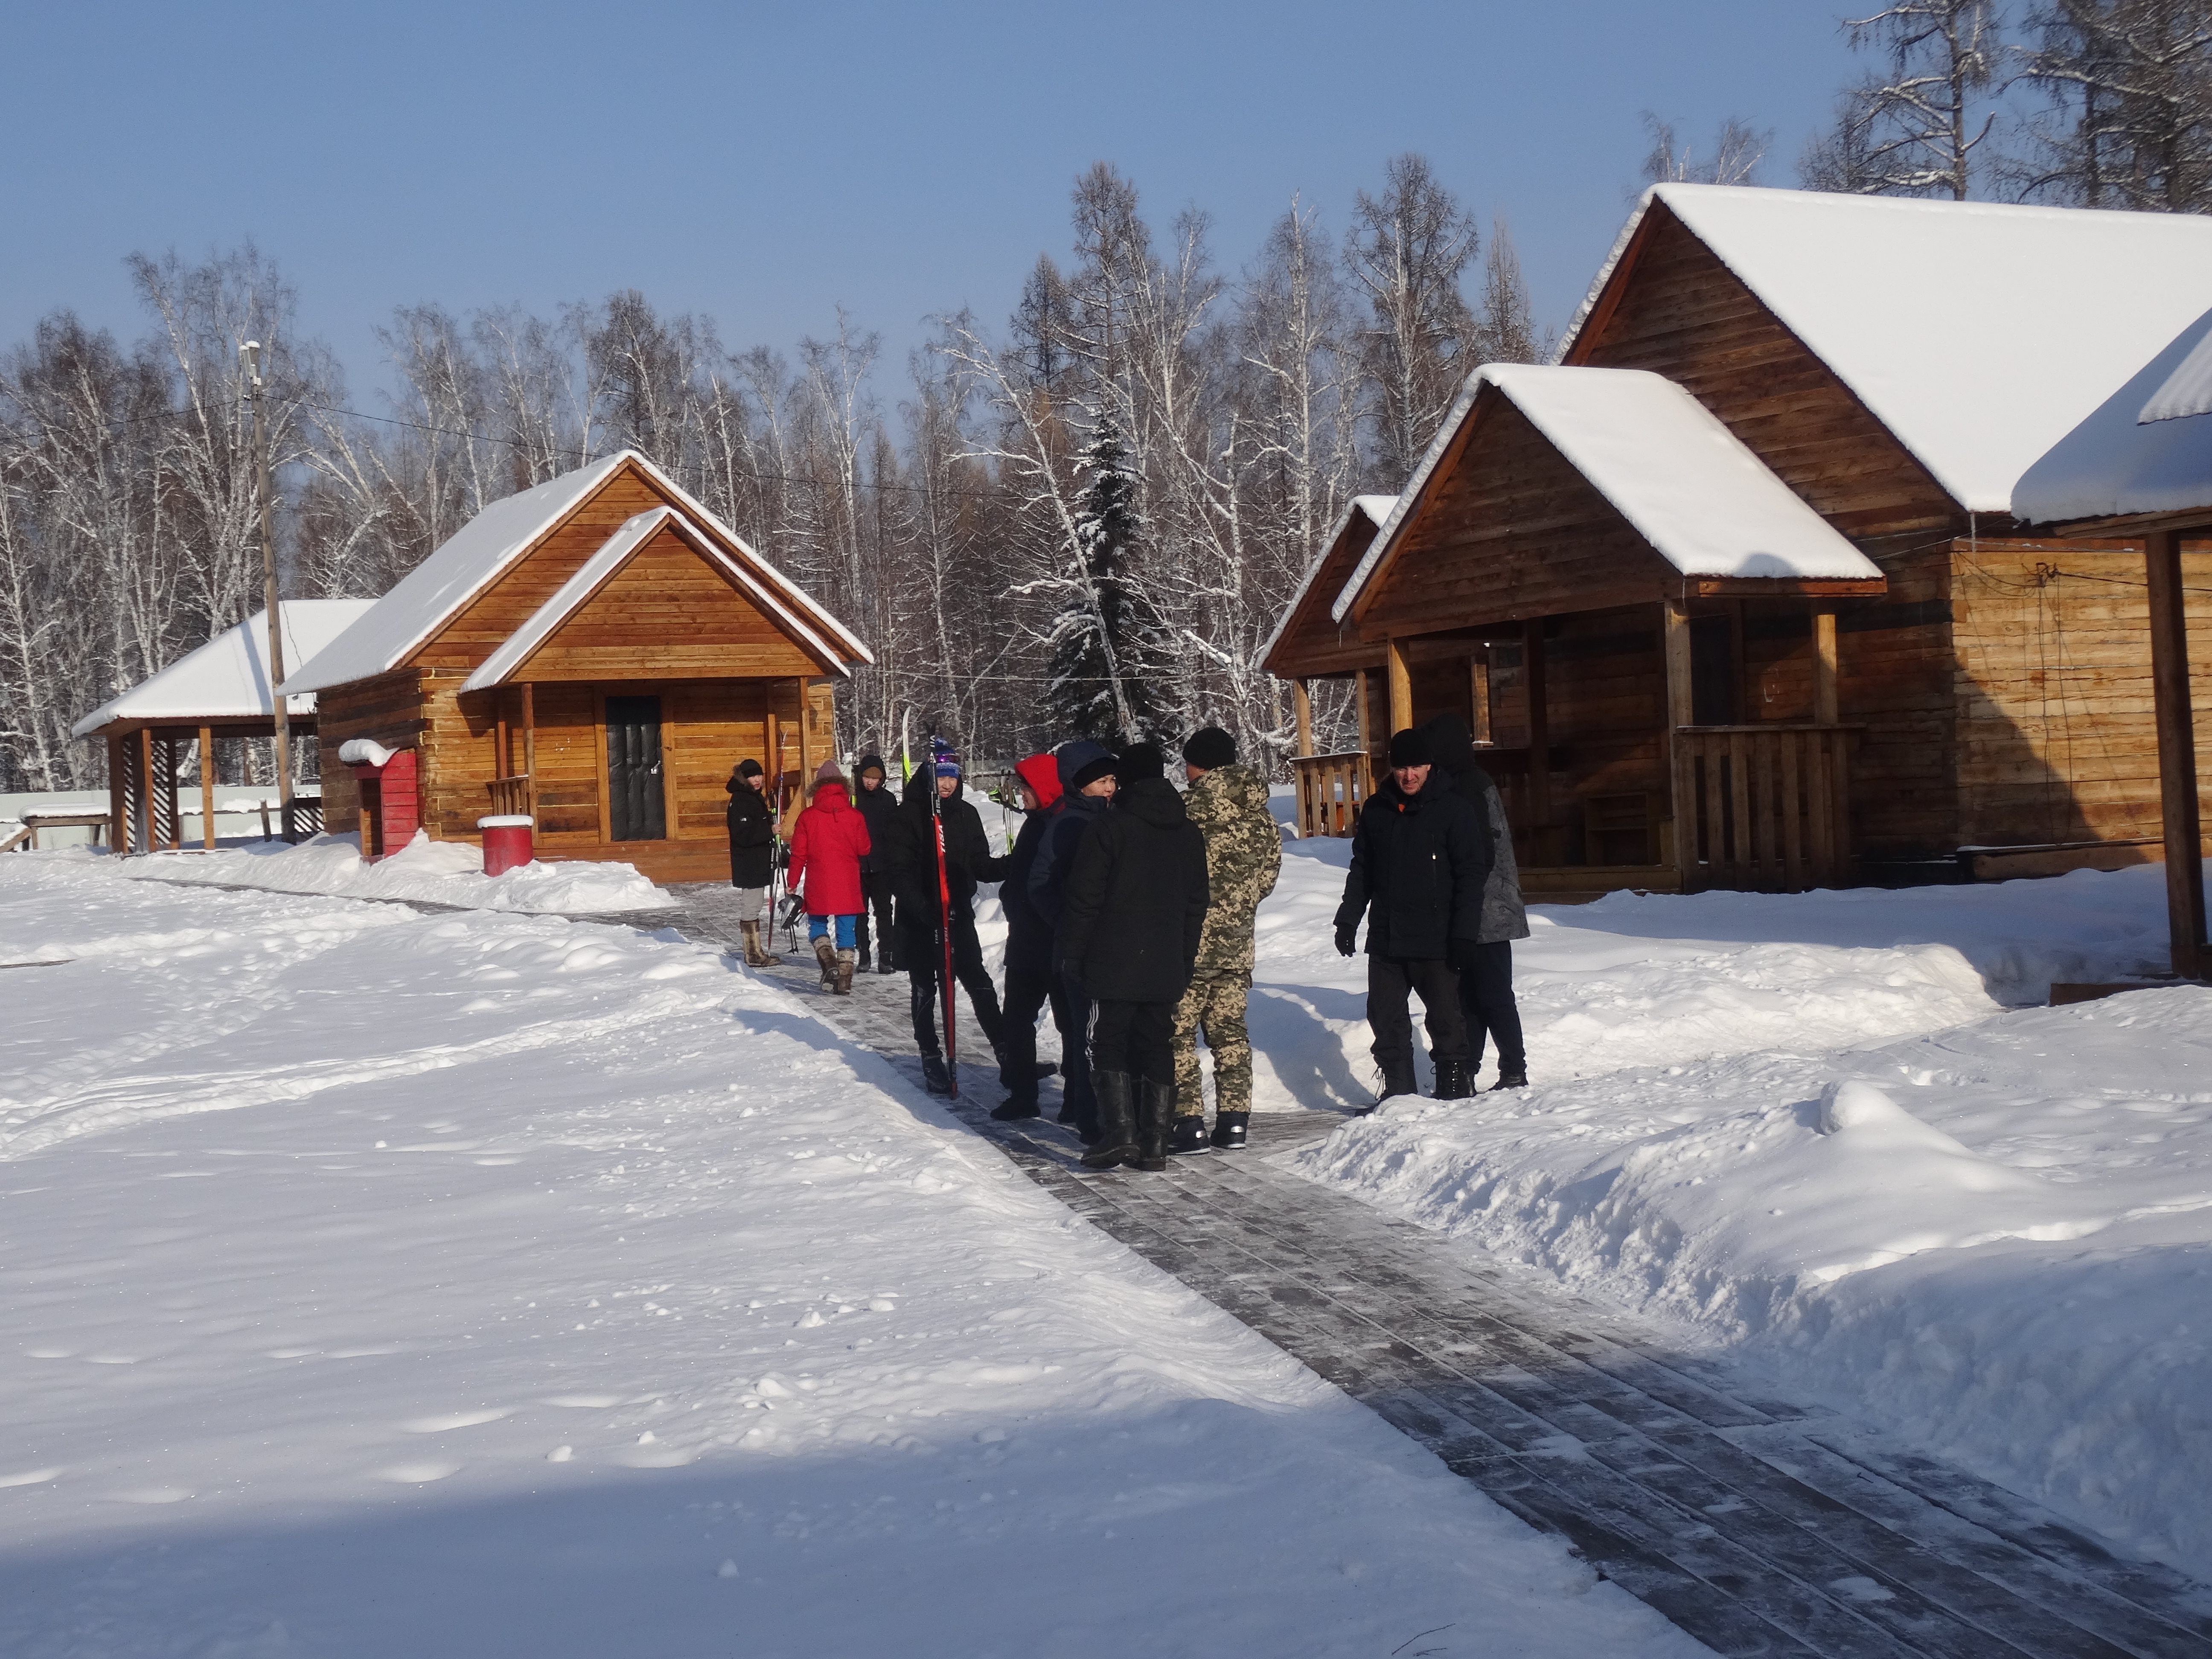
<point x="1029" y="988"/>
<point x="1071" y="1011"/>
<point x="1389" y="1016"/>
<point x="921" y="948"/>
<point x="1136" y="1037"/>
<point x="1486" y="1004"/>
<point x="875" y="895"/>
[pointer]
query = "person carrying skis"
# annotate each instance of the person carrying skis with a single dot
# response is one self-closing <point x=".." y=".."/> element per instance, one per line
<point x="1129" y="928"/>
<point x="1087" y="794"/>
<point x="752" y="856"/>
<point x="1485" y="964"/>
<point x="936" y="794"/>
<point x="1243" y="857"/>
<point x="878" y="806"/>
<point x="1419" y="860"/>
<point x="826" y="845"/>
<point x="1028" y="945"/>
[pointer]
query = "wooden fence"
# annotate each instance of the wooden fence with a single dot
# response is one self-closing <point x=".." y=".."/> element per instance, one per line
<point x="1332" y="789"/>
<point x="511" y="795"/>
<point x="1764" y="808"/>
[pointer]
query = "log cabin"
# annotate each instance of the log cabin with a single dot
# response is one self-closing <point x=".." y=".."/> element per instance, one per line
<point x="597" y="653"/>
<point x="221" y="689"/>
<point x="1734" y="592"/>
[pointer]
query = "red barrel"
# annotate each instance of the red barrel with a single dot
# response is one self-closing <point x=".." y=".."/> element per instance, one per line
<point x="507" y="842"/>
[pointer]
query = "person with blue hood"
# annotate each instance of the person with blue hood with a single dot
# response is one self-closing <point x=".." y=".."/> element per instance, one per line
<point x="1087" y="780"/>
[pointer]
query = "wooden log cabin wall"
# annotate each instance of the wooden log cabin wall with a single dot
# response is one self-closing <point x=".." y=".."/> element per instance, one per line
<point x="600" y="656"/>
<point x="1687" y="711"/>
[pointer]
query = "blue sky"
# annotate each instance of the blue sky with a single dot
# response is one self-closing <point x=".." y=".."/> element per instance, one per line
<point x="765" y="164"/>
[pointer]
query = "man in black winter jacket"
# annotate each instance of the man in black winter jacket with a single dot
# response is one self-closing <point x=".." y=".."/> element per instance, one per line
<point x="1086" y="772"/>
<point x="1485" y="963"/>
<point x="913" y="862"/>
<point x="873" y="800"/>
<point x="1135" y="910"/>
<point x="1029" y="980"/>
<point x="1420" y="860"/>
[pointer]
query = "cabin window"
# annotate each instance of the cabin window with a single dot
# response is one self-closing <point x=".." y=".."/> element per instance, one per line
<point x="637" y="806"/>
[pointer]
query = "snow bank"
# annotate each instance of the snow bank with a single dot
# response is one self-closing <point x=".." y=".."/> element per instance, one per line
<point x="440" y="871"/>
<point x="1809" y="1129"/>
<point x="476" y="1284"/>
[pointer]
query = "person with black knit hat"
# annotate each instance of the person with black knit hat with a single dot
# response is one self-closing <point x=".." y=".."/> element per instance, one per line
<point x="873" y="800"/>
<point x="1129" y="928"/>
<point x="1420" y="859"/>
<point x="1086" y="773"/>
<point x="752" y="856"/>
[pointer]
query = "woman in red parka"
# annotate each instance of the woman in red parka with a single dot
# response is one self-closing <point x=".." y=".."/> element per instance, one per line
<point x="827" y="846"/>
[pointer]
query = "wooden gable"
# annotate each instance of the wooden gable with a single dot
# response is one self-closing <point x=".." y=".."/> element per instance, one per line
<point x="1672" y="306"/>
<point x="1507" y="529"/>
<point x="1311" y="643"/>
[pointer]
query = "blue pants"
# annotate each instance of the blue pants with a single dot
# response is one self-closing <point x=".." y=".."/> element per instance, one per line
<point x="847" y="926"/>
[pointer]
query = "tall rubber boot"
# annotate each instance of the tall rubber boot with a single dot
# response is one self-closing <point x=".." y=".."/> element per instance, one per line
<point x="845" y="965"/>
<point x="825" y="953"/>
<point x="1156" y="1107"/>
<point x="1117" y="1121"/>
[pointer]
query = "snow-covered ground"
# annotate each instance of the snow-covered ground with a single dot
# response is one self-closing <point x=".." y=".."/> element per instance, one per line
<point x="442" y="871"/>
<point x="1999" y="1244"/>
<point x="485" y="1284"/>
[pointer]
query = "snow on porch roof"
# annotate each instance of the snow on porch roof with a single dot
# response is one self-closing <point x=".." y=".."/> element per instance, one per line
<point x="1376" y="509"/>
<point x="2131" y="455"/>
<point x="1706" y="504"/>
<point x="1979" y="334"/>
<point x="614" y="553"/>
<point x="228" y="679"/>
<point x="473" y="556"/>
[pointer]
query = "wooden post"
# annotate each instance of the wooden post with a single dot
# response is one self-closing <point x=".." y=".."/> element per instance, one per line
<point x="1478" y="694"/>
<point x="1539" y="732"/>
<point x="118" y="828"/>
<point x="1824" y="666"/>
<point x="142" y="753"/>
<point x="1675" y="630"/>
<point x="1366" y="738"/>
<point x="207" y="787"/>
<point x="530" y="751"/>
<point x="1402" y="685"/>
<point x="280" y="705"/>
<point x="1302" y="706"/>
<point x="2177" y="753"/>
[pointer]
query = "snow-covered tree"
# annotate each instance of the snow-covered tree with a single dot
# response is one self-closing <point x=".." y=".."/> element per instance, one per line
<point x="1738" y="149"/>
<point x="1912" y="129"/>
<point x="1108" y="643"/>
<point x="2130" y="124"/>
<point x="1407" y="250"/>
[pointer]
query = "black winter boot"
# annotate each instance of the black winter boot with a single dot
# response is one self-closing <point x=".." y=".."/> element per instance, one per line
<point x="1189" y="1135"/>
<point x="1156" y="1109"/>
<point x="1398" y="1078"/>
<point x="1453" y="1082"/>
<point x="934" y="1077"/>
<point x="1117" y="1121"/>
<point x="1016" y="1107"/>
<point x="1510" y="1080"/>
<point x="1229" y="1130"/>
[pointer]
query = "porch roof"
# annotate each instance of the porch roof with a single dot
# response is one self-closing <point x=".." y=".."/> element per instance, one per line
<point x="1309" y="606"/>
<point x="226" y="681"/>
<point x="2147" y="448"/>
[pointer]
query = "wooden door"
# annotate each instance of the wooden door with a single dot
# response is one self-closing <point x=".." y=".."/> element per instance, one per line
<point x="636" y="801"/>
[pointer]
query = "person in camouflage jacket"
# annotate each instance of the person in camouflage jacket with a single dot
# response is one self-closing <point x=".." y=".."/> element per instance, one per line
<point x="1244" y="856"/>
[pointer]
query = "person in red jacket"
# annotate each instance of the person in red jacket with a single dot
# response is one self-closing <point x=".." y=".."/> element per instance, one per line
<point x="826" y="845"/>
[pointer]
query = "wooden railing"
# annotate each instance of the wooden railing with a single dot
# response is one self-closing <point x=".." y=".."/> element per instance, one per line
<point x="1331" y="788"/>
<point x="511" y="795"/>
<point x="1763" y="808"/>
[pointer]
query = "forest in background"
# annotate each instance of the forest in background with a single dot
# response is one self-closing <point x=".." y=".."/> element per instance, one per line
<point x="1084" y="517"/>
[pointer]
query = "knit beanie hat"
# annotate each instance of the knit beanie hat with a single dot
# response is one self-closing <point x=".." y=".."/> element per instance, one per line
<point x="1411" y="748"/>
<point x="827" y="772"/>
<point x="1209" y="747"/>
<point x="1142" y="761"/>
<point x="870" y="763"/>
<point x="749" y="769"/>
<point x="948" y="764"/>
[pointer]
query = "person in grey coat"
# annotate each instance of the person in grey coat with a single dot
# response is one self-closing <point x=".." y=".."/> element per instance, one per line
<point x="1486" y="966"/>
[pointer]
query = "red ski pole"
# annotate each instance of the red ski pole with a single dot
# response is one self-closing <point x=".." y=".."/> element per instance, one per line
<point x="944" y="912"/>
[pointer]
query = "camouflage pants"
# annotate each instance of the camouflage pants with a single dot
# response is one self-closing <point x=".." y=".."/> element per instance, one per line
<point x="1215" y="1007"/>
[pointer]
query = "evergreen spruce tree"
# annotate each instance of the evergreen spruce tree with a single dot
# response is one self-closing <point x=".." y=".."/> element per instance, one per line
<point x="1109" y="658"/>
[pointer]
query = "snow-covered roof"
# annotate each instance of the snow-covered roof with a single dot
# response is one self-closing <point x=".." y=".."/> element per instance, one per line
<point x="2124" y="458"/>
<point x="1376" y="509"/>
<point x="228" y="679"/>
<point x="1706" y="504"/>
<point x="474" y="556"/>
<point x="1979" y="334"/>
<point x="614" y="553"/>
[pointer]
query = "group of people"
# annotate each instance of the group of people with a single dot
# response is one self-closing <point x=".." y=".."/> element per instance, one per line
<point x="1130" y="907"/>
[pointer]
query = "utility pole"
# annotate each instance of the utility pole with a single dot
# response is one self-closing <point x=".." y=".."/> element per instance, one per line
<point x="249" y="356"/>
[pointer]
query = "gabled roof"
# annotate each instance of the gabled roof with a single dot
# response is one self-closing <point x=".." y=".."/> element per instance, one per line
<point x="1328" y="570"/>
<point x="228" y="679"/>
<point x="1706" y="503"/>
<point x="597" y="571"/>
<point x="474" y="556"/>
<point x="1979" y="334"/>
<point x="2144" y="449"/>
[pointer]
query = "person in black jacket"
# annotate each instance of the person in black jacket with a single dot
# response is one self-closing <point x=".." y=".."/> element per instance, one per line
<point x="913" y="865"/>
<point x="752" y="856"/>
<point x="1135" y="909"/>
<point x="1029" y="946"/>
<point x="1085" y="770"/>
<point x="1485" y="963"/>
<point x="872" y="799"/>
<point x="1420" y="860"/>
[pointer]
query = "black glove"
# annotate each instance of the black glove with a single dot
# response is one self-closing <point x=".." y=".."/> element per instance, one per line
<point x="1347" y="941"/>
<point x="1460" y="953"/>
